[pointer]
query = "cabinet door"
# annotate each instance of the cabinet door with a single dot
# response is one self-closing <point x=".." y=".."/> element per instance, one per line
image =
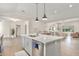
<point x="58" y="47"/>
<point x="28" y="45"/>
<point x="22" y="39"/>
<point x="53" y="49"/>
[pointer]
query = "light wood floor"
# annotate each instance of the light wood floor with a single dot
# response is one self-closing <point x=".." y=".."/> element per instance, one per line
<point x="11" y="46"/>
<point x="69" y="47"/>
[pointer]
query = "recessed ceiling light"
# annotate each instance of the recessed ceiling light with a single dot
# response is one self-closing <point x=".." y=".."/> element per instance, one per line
<point x="70" y="5"/>
<point x="55" y="11"/>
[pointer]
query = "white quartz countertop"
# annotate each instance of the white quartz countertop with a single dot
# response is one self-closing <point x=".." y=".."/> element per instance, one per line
<point x="46" y="38"/>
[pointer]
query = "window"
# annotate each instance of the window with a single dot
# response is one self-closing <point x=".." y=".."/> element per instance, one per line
<point x="68" y="28"/>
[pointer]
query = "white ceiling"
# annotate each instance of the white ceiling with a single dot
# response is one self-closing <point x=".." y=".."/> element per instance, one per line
<point x="27" y="11"/>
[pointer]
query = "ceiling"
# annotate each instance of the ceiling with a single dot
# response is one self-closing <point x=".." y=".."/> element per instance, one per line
<point x="27" y="11"/>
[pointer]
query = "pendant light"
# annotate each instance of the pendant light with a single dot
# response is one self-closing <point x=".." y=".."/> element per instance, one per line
<point x="44" y="17"/>
<point x="37" y="13"/>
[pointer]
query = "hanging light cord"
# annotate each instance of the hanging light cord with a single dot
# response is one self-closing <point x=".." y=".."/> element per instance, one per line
<point x="44" y="13"/>
<point x="36" y="9"/>
<point x="44" y="8"/>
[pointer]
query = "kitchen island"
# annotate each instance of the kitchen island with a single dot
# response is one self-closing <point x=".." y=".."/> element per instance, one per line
<point x="46" y="41"/>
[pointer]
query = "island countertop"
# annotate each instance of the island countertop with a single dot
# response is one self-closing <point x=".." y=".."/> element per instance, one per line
<point x="45" y="38"/>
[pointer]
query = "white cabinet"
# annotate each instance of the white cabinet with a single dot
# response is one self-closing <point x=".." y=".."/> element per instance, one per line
<point x="47" y="47"/>
<point x="27" y="44"/>
<point x="53" y="48"/>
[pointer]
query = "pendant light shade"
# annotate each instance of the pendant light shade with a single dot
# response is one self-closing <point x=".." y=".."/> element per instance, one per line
<point x="44" y="17"/>
<point x="37" y="19"/>
<point x="36" y="13"/>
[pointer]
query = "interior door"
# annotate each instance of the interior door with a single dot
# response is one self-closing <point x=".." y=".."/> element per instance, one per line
<point x="25" y="29"/>
<point x="18" y="30"/>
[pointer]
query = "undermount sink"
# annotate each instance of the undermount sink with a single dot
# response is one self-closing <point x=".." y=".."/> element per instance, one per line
<point x="33" y="35"/>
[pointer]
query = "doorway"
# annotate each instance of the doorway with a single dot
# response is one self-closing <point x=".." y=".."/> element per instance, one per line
<point x="18" y="30"/>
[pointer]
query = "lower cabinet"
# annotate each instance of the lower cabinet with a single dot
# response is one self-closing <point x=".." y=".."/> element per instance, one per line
<point x="53" y="48"/>
<point x="27" y="44"/>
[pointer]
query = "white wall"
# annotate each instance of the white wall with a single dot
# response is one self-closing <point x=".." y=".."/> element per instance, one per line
<point x="6" y="26"/>
<point x="22" y="23"/>
<point x="35" y="27"/>
<point x="1" y="27"/>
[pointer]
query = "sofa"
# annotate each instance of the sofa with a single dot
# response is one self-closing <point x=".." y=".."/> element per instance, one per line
<point x="75" y="34"/>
